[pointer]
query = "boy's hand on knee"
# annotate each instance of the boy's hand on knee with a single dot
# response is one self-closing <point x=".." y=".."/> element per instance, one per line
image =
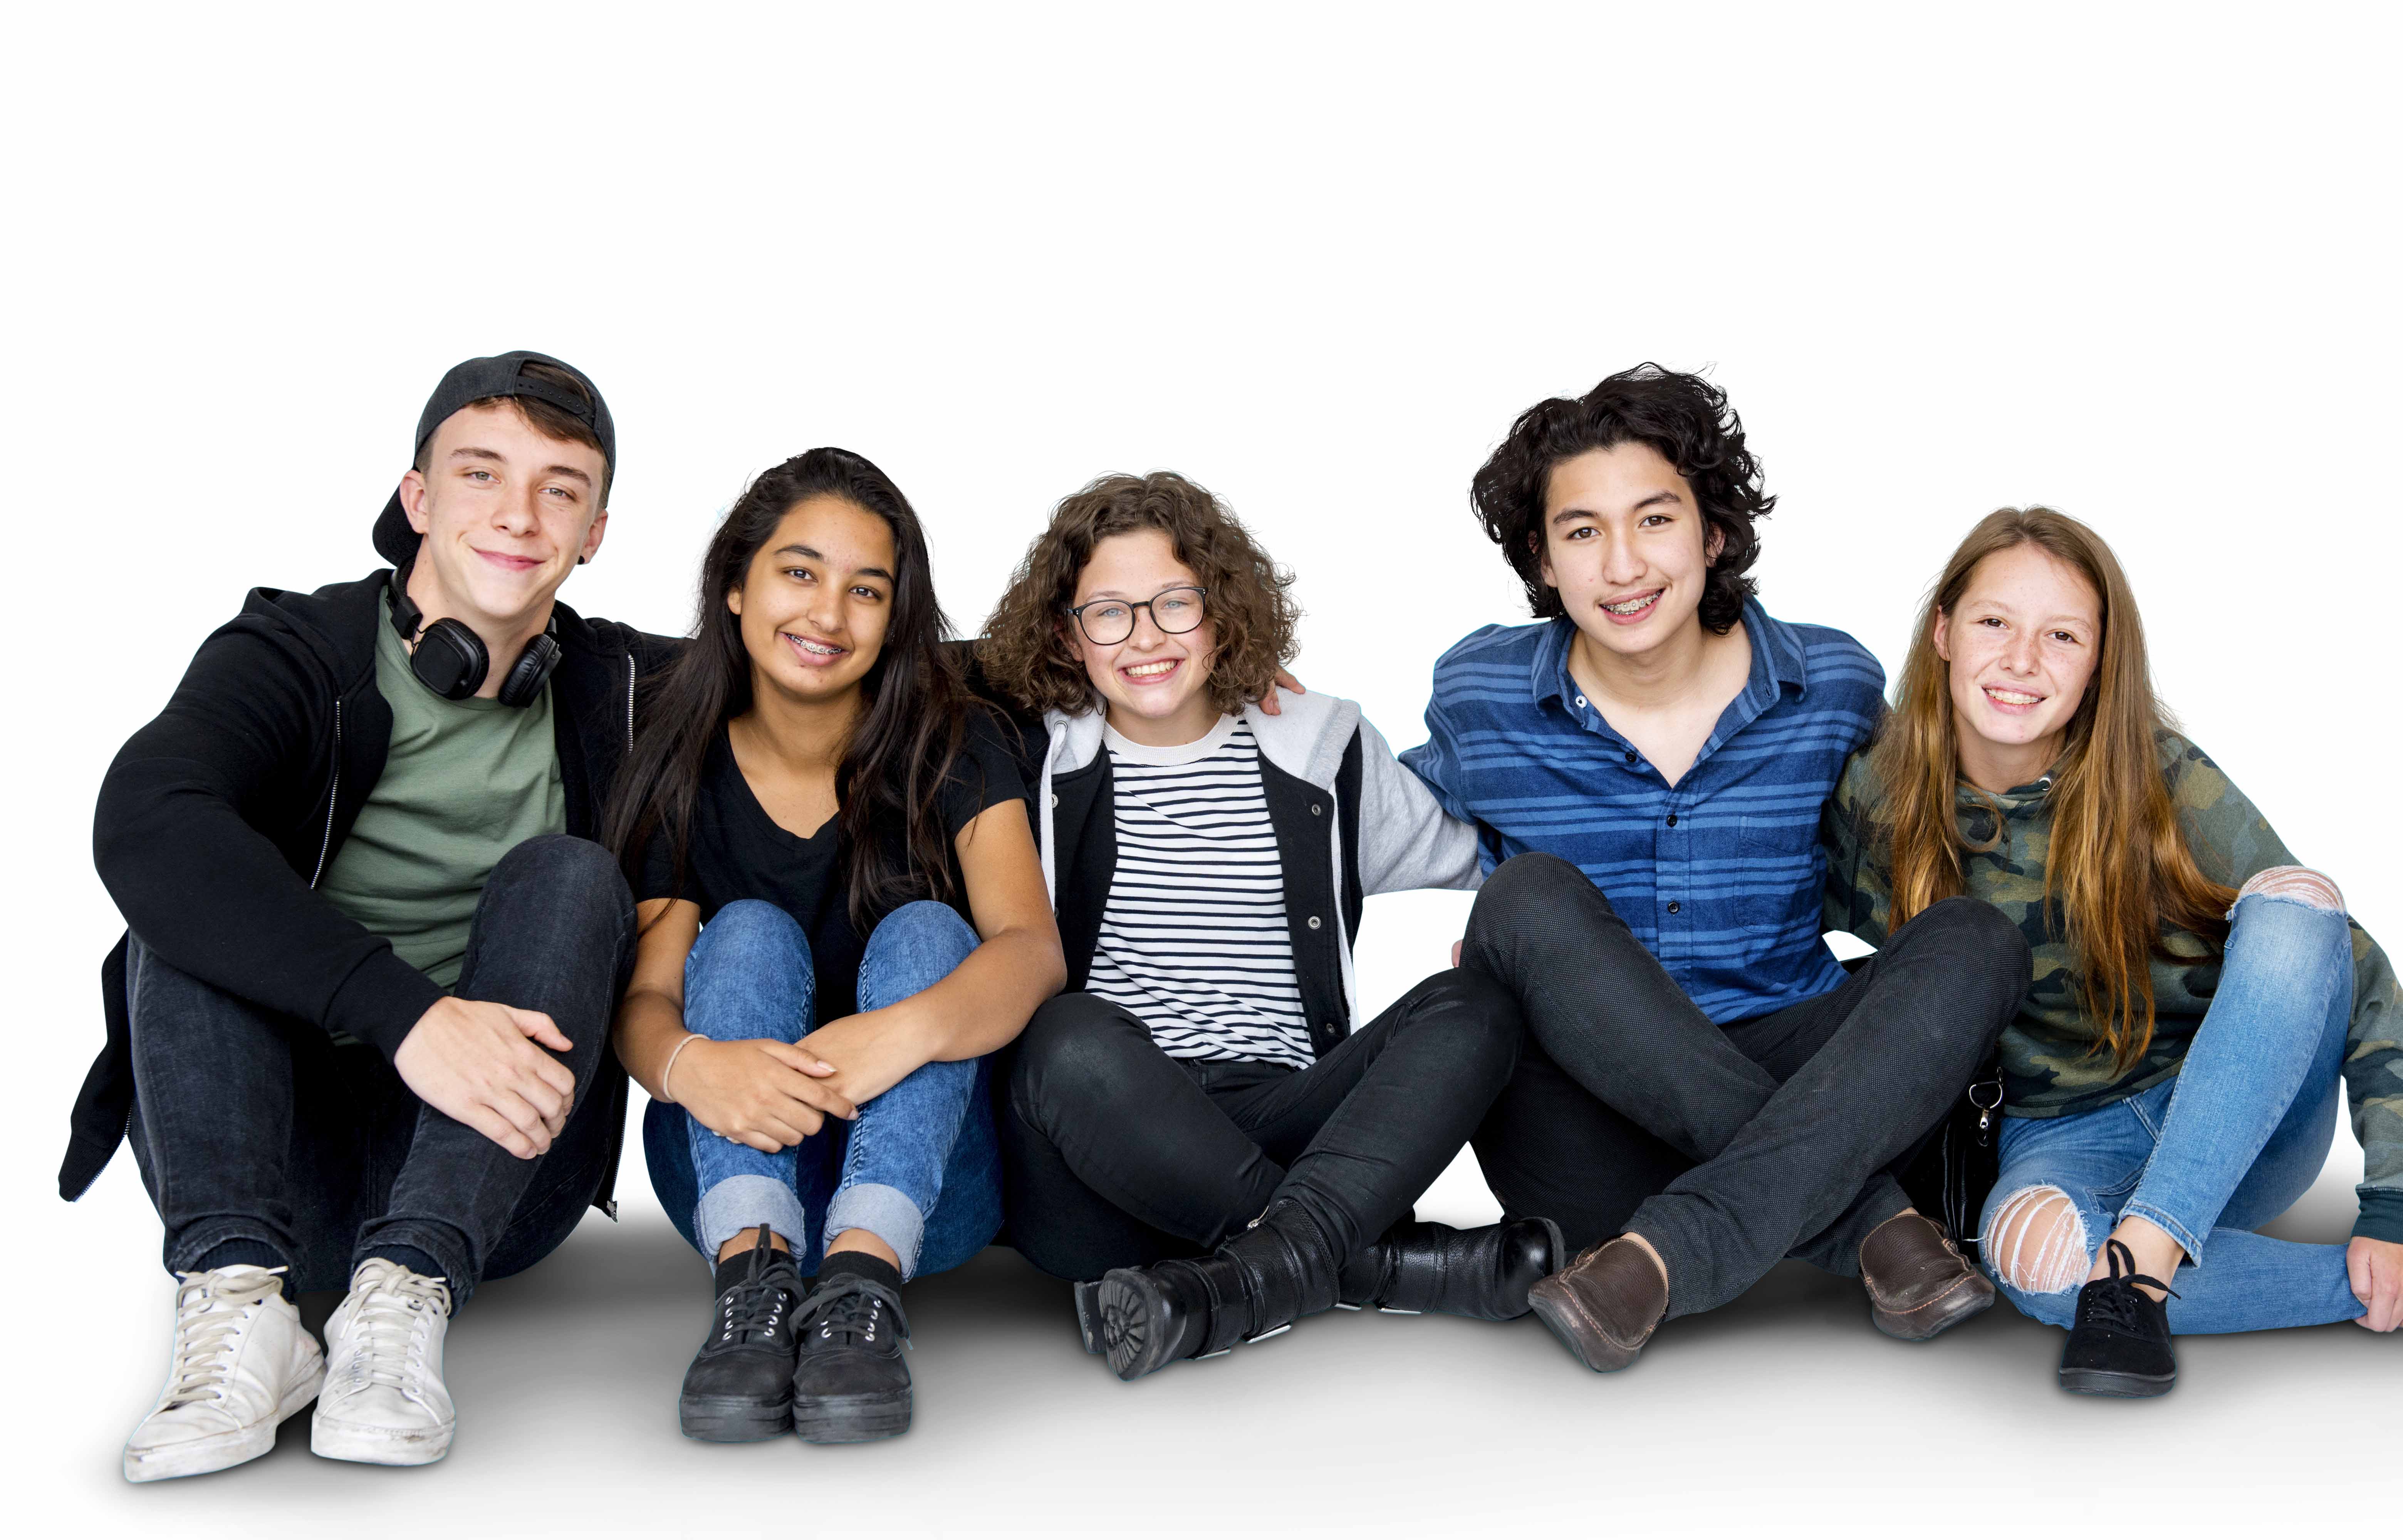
<point x="2376" y="1268"/>
<point x="758" y="1091"/>
<point x="476" y="1062"/>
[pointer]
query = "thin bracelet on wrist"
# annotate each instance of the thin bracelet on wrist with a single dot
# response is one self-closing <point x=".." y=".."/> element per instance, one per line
<point x="669" y="1068"/>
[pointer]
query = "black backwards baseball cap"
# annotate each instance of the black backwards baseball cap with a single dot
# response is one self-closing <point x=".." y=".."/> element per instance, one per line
<point x="481" y="380"/>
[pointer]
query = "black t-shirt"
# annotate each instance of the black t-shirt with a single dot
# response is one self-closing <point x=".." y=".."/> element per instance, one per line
<point x="738" y="851"/>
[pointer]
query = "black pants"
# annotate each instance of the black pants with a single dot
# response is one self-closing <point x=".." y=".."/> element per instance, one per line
<point x="1115" y="1155"/>
<point x="252" y="1126"/>
<point x="1726" y="1148"/>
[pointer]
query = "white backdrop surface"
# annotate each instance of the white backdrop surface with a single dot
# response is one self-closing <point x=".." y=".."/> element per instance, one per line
<point x="2135" y="263"/>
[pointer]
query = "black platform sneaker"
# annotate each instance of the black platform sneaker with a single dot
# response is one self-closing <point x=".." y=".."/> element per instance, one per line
<point x="740" y="1387"/>
<point x="850" y="1384"/>
<point x="2120" y="1345"/>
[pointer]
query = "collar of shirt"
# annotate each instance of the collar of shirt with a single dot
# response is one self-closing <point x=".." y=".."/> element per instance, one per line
<point x="1778" y="664"/>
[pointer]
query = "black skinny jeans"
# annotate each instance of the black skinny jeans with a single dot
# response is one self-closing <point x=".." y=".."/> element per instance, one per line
<point x="1115" y="1155"/>
<point x="252" y="1126"/>
<point x="1726" y="1148"/>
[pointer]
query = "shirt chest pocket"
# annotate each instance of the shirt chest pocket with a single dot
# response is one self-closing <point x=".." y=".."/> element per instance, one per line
<point x="1777" y="878"/>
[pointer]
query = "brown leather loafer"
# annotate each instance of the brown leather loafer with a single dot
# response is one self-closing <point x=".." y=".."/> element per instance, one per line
<point x="1604" y="1304"/>
<point x="1919" y="1284"/>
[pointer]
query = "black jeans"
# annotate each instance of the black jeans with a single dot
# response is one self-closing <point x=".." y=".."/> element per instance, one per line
<point x="252" y="1126"/>
<point x="1115" y="1155"/>
<point x="1726" y="1148"/>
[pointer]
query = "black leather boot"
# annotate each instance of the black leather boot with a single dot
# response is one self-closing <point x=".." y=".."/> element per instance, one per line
<point x="1483" y="1273"/>
<point x="1253" y="1287"/>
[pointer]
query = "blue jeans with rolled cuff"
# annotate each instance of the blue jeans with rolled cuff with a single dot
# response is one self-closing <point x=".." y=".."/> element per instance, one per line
<point x="2226" y="1144"/>
<point x="918" y="1168"/>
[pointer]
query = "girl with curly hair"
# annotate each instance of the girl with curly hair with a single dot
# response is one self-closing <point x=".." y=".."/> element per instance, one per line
<point x="1196" y="1134"/>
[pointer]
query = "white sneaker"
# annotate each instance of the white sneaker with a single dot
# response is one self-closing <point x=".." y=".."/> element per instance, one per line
<point x="242" y="1363"/>
<point x="384" y="1402"/>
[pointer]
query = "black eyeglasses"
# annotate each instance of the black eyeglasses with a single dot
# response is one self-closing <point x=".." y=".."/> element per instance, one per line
<point x="1106" y="622"/>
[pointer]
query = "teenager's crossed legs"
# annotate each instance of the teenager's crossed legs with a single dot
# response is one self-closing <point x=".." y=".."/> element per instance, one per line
<point x="1726" y="1148"/>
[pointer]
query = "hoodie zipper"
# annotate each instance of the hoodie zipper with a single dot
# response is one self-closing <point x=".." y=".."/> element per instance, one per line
<point x="333" y="797"/>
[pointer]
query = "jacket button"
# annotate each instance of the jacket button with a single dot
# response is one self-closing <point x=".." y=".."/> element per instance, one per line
<point x="1055" y="798"/>
<point x="1672" y="906"/>
<point x="1313" y="921"/>
<point x="1314" y="810"/>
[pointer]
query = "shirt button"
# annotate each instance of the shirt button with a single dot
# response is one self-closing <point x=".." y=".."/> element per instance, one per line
<point x="1313" y="921"/>
<point x="1672" y="906"/>
<point x="1673" y="820"/>
<point x="1630" y="756"/>
<point x="1580" y="700"/>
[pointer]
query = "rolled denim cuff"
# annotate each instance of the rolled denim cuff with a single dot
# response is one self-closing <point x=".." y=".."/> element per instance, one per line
<point x="884" y="1213"/>
<point x="745" y="1202"/>
<point x="2381" y="1214"/>
<point x="2188" y="1240"/>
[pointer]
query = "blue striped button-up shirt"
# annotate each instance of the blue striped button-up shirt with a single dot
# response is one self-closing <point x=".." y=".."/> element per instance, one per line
<point x="1719" y="876"/>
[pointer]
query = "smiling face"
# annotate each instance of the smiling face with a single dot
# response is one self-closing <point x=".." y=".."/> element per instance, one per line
<point x="816" y="599"/>
<point x="1627" y="547"/>
<point x="1155" y="684"/>
<point x="505" y="512"/>
<point x="2022" y="647"/>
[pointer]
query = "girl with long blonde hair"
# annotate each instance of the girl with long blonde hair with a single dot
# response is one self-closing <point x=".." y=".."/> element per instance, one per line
<point x="2169" y="1080"/>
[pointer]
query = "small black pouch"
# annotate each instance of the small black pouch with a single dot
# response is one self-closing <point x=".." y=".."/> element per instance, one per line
<point x="1954" y="1170"/>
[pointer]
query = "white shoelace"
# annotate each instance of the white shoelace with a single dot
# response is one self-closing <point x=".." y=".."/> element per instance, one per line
<point x="210" y="1311"/>
<point x="388" y="1326"/>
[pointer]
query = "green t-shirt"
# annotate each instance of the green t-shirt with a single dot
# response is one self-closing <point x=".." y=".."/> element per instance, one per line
<point x="462" y="782"/>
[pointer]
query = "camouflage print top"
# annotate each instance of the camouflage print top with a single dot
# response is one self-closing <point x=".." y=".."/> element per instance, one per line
<point x="2049" y="1065"/>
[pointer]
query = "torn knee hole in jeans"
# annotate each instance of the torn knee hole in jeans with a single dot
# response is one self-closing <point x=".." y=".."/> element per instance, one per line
<point x="2300" y="883"/>
<point x="2037" y="1242"/>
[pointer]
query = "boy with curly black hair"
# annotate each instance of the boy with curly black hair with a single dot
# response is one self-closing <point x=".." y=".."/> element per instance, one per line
<point x="1703" y="1089"/>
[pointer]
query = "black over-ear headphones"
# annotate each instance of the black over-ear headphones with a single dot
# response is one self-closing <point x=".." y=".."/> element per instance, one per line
<point x="450" y="659"/>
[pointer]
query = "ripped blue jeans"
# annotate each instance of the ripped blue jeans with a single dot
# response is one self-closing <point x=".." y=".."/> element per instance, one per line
<point x="2226" y="1144"/>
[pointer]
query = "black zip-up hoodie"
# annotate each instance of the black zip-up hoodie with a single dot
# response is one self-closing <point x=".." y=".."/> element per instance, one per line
<point x="218" y="817"/>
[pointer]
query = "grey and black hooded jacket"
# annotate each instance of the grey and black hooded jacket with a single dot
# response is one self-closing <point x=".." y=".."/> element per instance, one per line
<point x="1350" y="820"/>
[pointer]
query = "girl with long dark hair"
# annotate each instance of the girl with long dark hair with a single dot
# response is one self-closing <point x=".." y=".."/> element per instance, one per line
<point x="2170" y="1081"/>
<point x="843" y="916"/>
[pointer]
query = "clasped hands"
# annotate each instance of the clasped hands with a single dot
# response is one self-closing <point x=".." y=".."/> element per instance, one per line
<point x="771" y="1095"/>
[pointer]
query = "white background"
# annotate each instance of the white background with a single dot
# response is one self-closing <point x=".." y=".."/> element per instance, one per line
<point x="2136" y="263"/>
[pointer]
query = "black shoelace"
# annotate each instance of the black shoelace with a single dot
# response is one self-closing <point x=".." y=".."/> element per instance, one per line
<point x="849" y="1312"/>
<point x="755" y="1307"/>
<point x="2114" y="1302"/>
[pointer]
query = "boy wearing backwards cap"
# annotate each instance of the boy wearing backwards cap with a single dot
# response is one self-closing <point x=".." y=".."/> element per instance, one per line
<point x="357" y="1025"/>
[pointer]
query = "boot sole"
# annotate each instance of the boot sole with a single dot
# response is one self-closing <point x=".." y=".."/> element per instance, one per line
<point x="729" y="1420"/>
<point x="851" y="1419"/>
<point x="1594" y="1351"/>
<point x="2115" y="1382"/>
<point x="1088" y="1316"/>
<point x="1136" y="1333"/>
<point x="223" y="1450"/>
<point x="1942" y="1314"/>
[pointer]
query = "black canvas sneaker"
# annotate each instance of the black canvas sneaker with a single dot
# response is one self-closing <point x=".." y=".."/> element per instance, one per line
<point x="2120" y="1345"/>
<point x="740" y="1387"/>
<point x="850" y="1385"/>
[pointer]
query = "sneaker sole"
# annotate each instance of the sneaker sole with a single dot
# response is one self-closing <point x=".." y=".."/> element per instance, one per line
<point x="2114" y="1383"/>
<point x="727" y="1419"/>
<point x="1135" y="1329"/>
<point x="851" y="1419"/>
<point x="370" y="1445"/>
<point x="223" y="1450"/>
<point x="1560" y="1320"/>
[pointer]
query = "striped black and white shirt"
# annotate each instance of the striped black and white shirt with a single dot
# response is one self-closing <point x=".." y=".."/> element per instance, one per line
<point x="1193" y="938"/>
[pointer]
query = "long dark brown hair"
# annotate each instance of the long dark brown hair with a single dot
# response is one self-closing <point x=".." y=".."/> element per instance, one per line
<point x="912" y="726"/>
<point x="2119" y="869"/>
